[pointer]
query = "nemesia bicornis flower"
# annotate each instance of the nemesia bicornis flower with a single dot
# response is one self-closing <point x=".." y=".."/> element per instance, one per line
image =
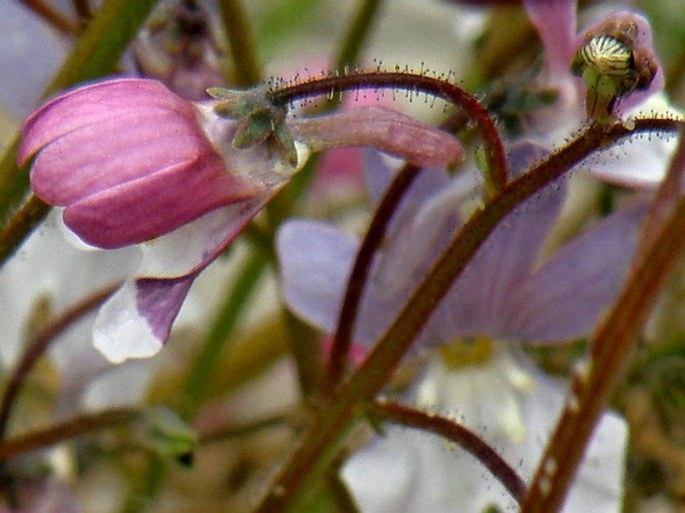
<point x="133" y="163"/>
<point x="504" y="297"/>
<point x="622" y="40"/>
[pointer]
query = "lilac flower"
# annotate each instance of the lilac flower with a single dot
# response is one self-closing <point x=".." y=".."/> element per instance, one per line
<point x="639" y="164"/>
<point x="133" y="163"/>
<point x="504" y="297"/>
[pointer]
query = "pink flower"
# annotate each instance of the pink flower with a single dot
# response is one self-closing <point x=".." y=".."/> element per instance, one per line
<point x="133" y="163"/>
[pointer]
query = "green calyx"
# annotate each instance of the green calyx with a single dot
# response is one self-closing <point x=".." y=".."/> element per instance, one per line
<point x="259" y="120"/>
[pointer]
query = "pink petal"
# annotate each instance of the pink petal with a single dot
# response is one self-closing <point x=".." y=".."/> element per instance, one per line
<point x="146" y="208"/>
<point x="129" y="160"/>
<point x="97" y="103"/>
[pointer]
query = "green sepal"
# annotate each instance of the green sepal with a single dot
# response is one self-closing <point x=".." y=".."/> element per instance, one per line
<point x="260" y="121"/>
<point x="254" y="129"/>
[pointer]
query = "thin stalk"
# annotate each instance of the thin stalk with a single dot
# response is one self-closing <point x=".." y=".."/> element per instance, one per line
<point x="199" y="377"/>
<point x="83" y="9"/>
<point x="320" y="442"/>
<point x="342" y="339"/>
<point x="79" y="426"/>
<point x="39" y="345"/>
<point x="613" y="347"/>
<point x="233" y="432"/>
<point x="445" y="427"/>
<point x="242" y="43"/>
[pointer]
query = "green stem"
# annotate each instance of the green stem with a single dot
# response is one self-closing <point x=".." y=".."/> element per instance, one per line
<point x="200" y="374"/>
<point x="358" y="33"/>
<point x="319" y="443"/>
<point x="20" y="225"/>
<point x="233" y="432"/>
<point x="241" y="41"/>
<point x="199" y="377"/>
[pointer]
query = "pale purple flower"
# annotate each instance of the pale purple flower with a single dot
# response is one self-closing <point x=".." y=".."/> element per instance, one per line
<point x="133" y="163"/>
<point x="503" y="292"/>
<point x="505" y="296"/>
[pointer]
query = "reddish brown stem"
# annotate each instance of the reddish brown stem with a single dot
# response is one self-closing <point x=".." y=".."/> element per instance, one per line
<point x="612" y="348"/>
<point x="451" y="430"/>
<point x="82" y="425"/>
<point x="342" y="339"/>
<point x="415" y="84"/>
<point x="318" y="443"/>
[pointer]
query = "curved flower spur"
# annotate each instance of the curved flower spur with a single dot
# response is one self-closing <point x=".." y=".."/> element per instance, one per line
<point x="133" y="163"/>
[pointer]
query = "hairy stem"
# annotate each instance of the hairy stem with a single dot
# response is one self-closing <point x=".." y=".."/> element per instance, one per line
<point x="613" y="346"/>
<point x="414" y="84"/>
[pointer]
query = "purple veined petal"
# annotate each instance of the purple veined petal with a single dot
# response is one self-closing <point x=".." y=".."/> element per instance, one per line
<point x="135" y="322"/>
<point x="144" y="209"/>
<point x="315" y="263"/>
<point x="479" y="302"/>
<point x="564" y="298"/>
<point x="385" y="129"/>
<point x="377" y="174"/>
<point x="101" y="102"/>
<point x="190" y="248"/>
<point x="91" y="159"/>
<point x="555" y="21"/>
<point x="159" y="300"/>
